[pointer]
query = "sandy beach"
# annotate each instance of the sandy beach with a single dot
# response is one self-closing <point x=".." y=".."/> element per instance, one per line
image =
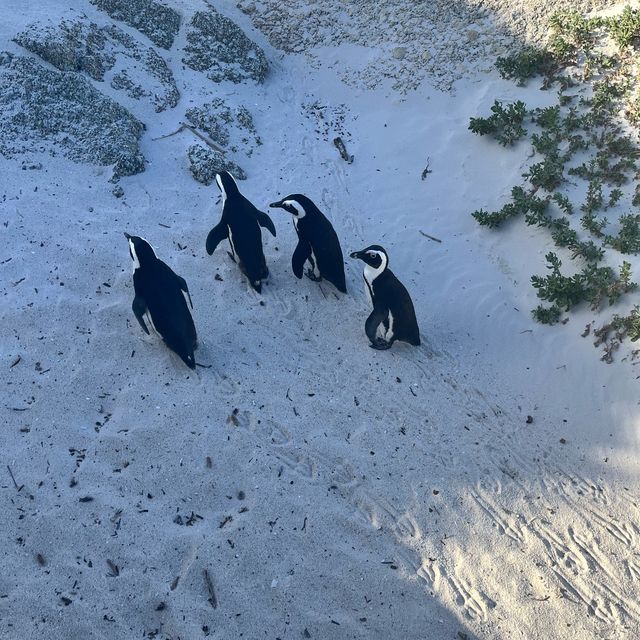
<point x="302" y="485"/>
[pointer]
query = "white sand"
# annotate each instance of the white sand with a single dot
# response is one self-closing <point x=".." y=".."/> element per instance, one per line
<point x="351" y="493"/>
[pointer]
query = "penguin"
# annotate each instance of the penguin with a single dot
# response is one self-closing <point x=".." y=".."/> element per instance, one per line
<point x="393" y="316"/>
<point x="318" y="242"/>
<point x="161" y="300"/>
<point x="240" y="224"/>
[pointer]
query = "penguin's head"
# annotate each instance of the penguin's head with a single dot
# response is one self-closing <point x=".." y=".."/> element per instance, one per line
<point x="140" y="250"/>
<point x="375" y="256"/>
<point x="296" y="204"/>
<point x="227" y="184"/>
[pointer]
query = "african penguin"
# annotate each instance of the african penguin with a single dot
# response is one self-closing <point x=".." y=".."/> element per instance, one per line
<point x="161" y="300"/>
<point x="241" y="223"/>
<point x="318" y="242"/>
<point x="393" y="316"/>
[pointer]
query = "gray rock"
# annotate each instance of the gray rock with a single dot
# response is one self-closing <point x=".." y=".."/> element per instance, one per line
<point x="205" y="163"/>
<point x="66" y="111"/>
<point x="218" y="47"/>
<point x="156" y="21"/>
<point x="83" y="46"/>
<point x="225" y="125"/>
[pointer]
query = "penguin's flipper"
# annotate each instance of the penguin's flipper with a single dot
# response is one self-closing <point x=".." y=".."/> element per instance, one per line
<point x="139" y="307"/>
<point x="377" y="316"/>
<point x="300" y="256"/>
<point x="265" y="221"/>
<point x="216" y="236"/>
<point x="183" y="286"/>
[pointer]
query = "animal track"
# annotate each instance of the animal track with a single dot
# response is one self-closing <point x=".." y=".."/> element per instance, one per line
<point x="298" y="463"/>
<point x="506" y="524"/>
<point x="571" y="590"/>
<point x="621" y="531"/>
<point x="559" y="553"/>
<point x="430" y="573"/>
<point x="576" y="488"/>
<point x="470" y="599"/>
<point x="633" y="569"/>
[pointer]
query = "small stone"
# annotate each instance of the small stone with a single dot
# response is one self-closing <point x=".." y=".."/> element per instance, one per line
<point x="399" y="53"/>
<point x="118" y="191"/>
<point x="472" y="35"/>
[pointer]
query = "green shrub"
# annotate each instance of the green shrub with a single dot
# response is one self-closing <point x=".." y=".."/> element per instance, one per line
<point x="625" y="28"/>
<point x="564" y="291"/>
<point x="547" y="315"/>
<point x="529" y="62"/>
<point x="505" y="123"/>
<point x="628" y="238"/>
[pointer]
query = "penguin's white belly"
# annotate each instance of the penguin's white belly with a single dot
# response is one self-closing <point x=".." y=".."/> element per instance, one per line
<point x="313" y="263"/>
<point x="386" y="334"/>
<point x="233" y="249"/>
<point x="149" y="321"/>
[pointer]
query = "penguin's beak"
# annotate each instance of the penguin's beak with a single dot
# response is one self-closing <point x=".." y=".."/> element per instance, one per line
<point x="278" y="205"/>
<point x="356" y="254"/>
<point x="127" y="236"/>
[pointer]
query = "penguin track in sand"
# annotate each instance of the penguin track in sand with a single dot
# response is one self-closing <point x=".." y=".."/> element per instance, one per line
<point x="582" y="570"/>
<point x="504" y="520"/>
<point x="368" y="509"/>
<point x="516" y="494"/>
<point x="475" y="603"/>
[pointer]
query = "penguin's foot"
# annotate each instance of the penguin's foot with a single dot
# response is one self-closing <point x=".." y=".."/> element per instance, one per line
<point x="313" y="276"/>
<point x="380" y="344"/>
<point x="257" y="285"/>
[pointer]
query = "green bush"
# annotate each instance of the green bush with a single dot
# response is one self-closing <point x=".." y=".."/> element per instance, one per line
<point x="528" y="63"/>
<point x="505" y="123"/>
<point x="625" y="28"/>
<point x="547" y="315"/>
<point x="628" y="238"/>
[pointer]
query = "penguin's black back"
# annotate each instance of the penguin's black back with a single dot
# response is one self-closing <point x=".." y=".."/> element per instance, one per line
<point x="316" y="229"/>
<point x="158" y="285"/>
<point x="240" y="215"/>
<point x="389" y="293"/>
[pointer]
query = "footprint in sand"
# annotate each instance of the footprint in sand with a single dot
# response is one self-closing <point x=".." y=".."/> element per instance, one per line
<point x="299" y="463"/>
<point x="474" y="602"/>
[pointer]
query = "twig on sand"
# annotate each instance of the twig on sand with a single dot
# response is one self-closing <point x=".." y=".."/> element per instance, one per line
<point x="183" y="125"/>
<point x="338" y="142"/>
<point x="204" y="366"/>
<point x="213" y="600"/>
<point x="15" y="484"/>
<point x="426" y="171"/>
<point x="426" y="235"/>
<point x="15" y="362"/>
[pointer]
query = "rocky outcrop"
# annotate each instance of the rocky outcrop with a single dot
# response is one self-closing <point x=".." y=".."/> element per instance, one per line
<point x="205" y="163"/>
<point x="74" y="45"/>
<point x="156" y="21"/>
<point x="64" y="109"/>
<point x="220" y="49"/>
<point x="227" y="126"/>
